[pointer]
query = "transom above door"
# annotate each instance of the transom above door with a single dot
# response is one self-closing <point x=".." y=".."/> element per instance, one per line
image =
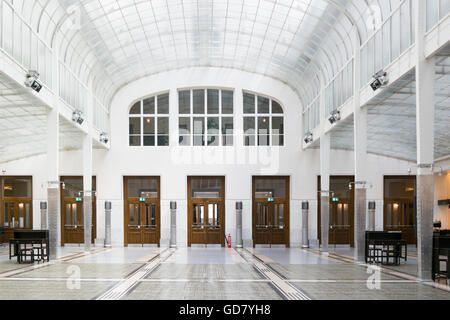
<point x="206" y="210"/>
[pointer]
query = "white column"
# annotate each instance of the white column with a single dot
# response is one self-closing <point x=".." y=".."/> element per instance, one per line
<point x="425" y="110"/>
<point x="360" y="146"/>
<point x="87" y="174"/>
<point x="53" y="196"/>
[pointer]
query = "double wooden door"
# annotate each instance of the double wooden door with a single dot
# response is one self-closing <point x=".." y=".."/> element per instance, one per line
<point x="270" y="227"/>
<point x="271" y="210"/>
<point x="142" y="219"/>
<point x="143" y="222"/>
<point x="206" y="210"/>
<point x="207" y="219"/>
<point x="72" y="211"/>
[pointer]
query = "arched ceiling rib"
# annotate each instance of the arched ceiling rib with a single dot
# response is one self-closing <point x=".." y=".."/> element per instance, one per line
<point x="294" y="41"/>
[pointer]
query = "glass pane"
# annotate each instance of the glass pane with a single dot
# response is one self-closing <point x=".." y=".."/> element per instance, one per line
<point x="227" y="102"/>
<point x="211" y="214"/>
<point x="213" y="101"/>
<point x="213" y="126"/>
<point x="143" y="188"/>
<point x="263" y="105"/>
<point x="153" y="215"/>
<point x="213" y="140"/>
<point x="249" y="103"/>
<point x="199" y="125"/>
<point x="73" y="187"/>
<point x="68" y="214"/>
<point x="263" y="125"/>
<point x="149" y="141"/>
<point x="270" y="188"/>
<point x="249" y="140"/>
<point x="202" y="215"/>
<point x="135" y="141"/>
<point x="199" y="101"/>
<point x="17" y="187"/>
<point x="340" y="187"/>
<point x="163" y="141"/>
<point x="199" y="140"/>
<point x="131" y="220"/>
<point x="136" y="109"/>
<point x="258" y="214"/>
<point x="276" y="107"/>
<point x="249" y="125"/>
<point x="184" y="140"/>
<point x="227" y="140"/>
<point x="74" y="214"/>
<point x="135" y="126"/>
<point x="147" y="215"/>
<point x="216" y="215"/>
<point x="149" y="125"/>
<point x="163" y="126"/>
<point x="281" y="215"/>
<point x="275" y="216"/>
<point x="227" y="126"/>
<point x="28" y="216"/>
<point x="206" y="187"/>
<point x="195" y="212"/>
<point x="400" y="188"/>
<point x="184" y="125"/>
<point x="277" y="125"/>
<point x="163" y="104"/>
<point x="184" y="102"/>
<point x="149" y="105"/>
<point x="277" y="140"/>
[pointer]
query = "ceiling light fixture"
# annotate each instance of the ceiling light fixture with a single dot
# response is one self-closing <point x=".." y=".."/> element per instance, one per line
<point x="380" y="80"/>
<point x="309" y="137"/>
<point x="32" y="81"/>
<point x="77" y="116"/>
<point x="335" y="116"/>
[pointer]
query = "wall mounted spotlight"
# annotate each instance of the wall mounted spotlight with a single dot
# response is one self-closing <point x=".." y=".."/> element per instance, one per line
<point x="335" y="116"/>
<point x="104" y="137"/>
<point x="380" y="80"/>
<point x="77" y="116"/>
<point x="309" y="138"/>
<point x="32" y="81"/>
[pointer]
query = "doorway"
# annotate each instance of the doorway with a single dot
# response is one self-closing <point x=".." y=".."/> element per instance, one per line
<point x="342" y="209"/>
<point x="400" y="206"/>
<point x="271" y="210"/>
<point x="206" y="210"/>
<point x="72" y="213"/>
<point x="142" y="210"/>
<point x="16" y="209"/>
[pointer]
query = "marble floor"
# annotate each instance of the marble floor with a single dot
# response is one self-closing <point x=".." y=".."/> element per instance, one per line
<point x="212" y="274"/>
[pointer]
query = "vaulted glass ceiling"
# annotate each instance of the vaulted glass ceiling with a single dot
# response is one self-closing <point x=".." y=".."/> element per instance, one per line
<point x="118" y="41"/>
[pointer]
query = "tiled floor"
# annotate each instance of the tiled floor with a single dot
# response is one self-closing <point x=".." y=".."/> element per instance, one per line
<point x="211" y="273"/>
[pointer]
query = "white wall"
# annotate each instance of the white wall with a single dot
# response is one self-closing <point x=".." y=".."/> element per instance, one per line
<point x="238" y="164"/>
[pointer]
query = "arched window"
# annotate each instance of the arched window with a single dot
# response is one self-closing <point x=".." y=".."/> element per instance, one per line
<point x="149" y="122"/>
<point x="263" y="121"/>
<point x="205" y="117"/>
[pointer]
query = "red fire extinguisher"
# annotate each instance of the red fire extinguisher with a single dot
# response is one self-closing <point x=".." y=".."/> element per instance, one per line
<point x="229" y="241"/>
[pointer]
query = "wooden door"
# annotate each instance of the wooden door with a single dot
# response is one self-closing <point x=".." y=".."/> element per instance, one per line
<point x="142" y="210"/>
<point x="400" y="206"/>
<point x="206" y="210"/>
<point x="72" y="211"/>
<point x="342" y="211"/>
<point x="271" y="210"/>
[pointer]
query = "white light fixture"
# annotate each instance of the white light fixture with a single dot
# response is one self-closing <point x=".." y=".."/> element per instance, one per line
<point x="309" y="137"/>
<point x="32" y="81"/>
<point x="77" y="116"/>
<point x="104" y="137"/>
<point x="335" y="116"/>
<point x="380" y="80"/>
